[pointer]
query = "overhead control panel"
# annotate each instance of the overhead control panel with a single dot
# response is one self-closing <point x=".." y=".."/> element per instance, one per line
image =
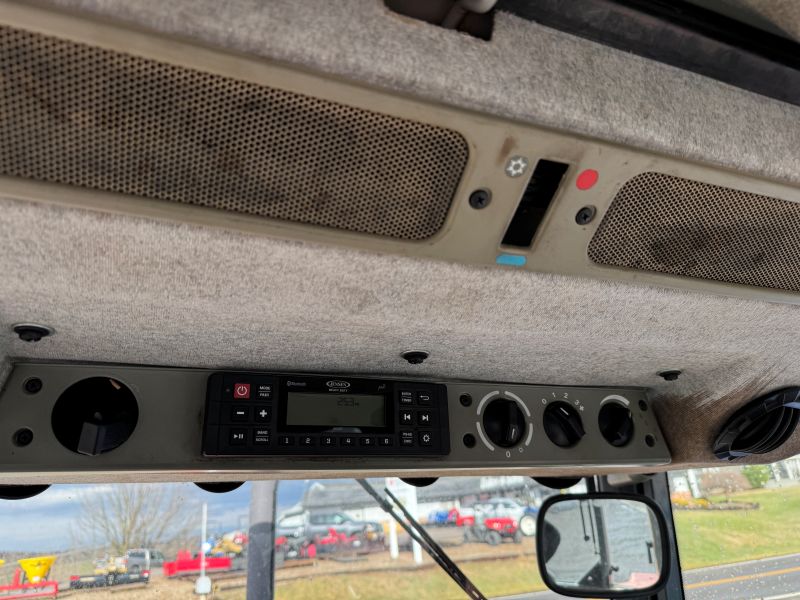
<point x="187" y="424"/>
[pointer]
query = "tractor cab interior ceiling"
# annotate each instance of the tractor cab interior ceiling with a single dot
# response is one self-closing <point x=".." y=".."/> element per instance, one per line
<point x="122" y="288"/>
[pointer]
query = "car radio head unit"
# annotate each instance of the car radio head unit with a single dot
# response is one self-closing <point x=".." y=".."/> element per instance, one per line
<point x="264" y="414"/>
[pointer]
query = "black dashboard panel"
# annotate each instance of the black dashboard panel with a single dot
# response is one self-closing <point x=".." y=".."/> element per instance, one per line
<point x="264" y="414"/>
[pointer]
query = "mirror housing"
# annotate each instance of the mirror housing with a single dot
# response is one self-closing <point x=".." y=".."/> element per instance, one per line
<point x="602" y="545"/>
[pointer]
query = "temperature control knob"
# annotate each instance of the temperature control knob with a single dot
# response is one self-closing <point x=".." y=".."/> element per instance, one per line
<point x="563" y="424"/>
<point x="504" y="422"/>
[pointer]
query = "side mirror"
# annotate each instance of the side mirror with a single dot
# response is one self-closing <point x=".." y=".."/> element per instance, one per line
<point x="602" y="545"/>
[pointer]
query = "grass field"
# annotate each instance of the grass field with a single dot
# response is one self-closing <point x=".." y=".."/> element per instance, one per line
<point x="707" y="538"/>
<point x="492" y="577"/>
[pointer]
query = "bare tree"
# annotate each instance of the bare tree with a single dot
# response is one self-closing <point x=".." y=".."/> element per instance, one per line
<point x="134" y="516"/>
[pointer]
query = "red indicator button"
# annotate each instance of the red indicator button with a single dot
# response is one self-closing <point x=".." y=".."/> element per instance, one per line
<point x="241" y="390"/>
<point x="586" y="179"/>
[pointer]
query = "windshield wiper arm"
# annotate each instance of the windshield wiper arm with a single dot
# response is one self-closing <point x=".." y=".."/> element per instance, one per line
<point x="419" y="535"/>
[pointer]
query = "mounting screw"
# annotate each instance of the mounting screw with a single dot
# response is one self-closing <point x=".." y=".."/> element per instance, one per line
<point x="670" y="375"/>
<point x="415" y="357"/>
<point x="32" y="385"/>
<point x="465" y="399"/>
<point x="585" y="215"/>
<point x="480" y="199"/>
<point x="31" y="332"/>
<point x="22" y="437"/>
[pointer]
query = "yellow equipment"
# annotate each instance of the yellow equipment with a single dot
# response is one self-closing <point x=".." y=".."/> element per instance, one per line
<point x="37" y="568"/>
<point x="227" y="546"/>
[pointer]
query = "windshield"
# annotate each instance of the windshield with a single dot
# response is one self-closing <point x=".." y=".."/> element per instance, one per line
<point x="737" y="530"/>
<point x="332" y="540"/>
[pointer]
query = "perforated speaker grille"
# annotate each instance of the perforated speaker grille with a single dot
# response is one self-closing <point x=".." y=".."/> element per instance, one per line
<point x="682" y="227"/>
<point x="83" y="116"/>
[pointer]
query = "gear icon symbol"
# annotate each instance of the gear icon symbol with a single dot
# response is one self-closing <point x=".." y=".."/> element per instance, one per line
<point x="516" y="166"/>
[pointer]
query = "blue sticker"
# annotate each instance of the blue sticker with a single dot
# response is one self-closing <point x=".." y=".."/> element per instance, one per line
<point x="511" y="260"/>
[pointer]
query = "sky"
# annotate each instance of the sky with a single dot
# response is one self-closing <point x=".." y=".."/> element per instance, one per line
<point x="43" y="524"/>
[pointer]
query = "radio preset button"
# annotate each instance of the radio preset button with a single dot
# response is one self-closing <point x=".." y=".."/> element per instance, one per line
<point x="385" y="440"/>
<point x="424" y="398"/>
<point x="286" y="440"/>
<point x="367" y="441"/>
<point x="347" y="441"/>
<point x="240" y="413"/>
<point x="426" y="438"/>
<point x="406" y="397"/>
<point x="237" y="437"/>
<point x="306" y="440"/>
<point x="406" y="417"/>
<point x="262" y="414"/>
<point x="328" y="440"/>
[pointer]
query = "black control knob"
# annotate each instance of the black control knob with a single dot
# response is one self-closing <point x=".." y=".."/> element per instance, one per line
<point x="563" y="424"/>
<point x="95" y="415"/>
<point x="616" y="423"/>
<point x="504" y="422"/>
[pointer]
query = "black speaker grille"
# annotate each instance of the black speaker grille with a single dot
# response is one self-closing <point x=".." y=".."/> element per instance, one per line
<point x="677" y="226"/>
<point x="83" y="116"/>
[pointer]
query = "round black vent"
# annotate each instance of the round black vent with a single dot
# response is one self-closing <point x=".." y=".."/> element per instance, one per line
<point x="761" y="426"/>
<point x="95" y="415"/>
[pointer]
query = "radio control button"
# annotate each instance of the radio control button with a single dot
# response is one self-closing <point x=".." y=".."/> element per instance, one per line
<point x="406" y="438"/>
<point x="327" y="440"/>
<point x="261" y="437"/>
<point x="306" y="440"/>
<point x="406" y="397"/>
<point x="240" y="413"/>
<point x="264" y="391"/>
<point x="262" y="414"/>
<point x="426" y="438"/>
<point x="237" y="437"/>
<point x="241" y="390"/>
<point x="367" y="441"/>
<point x="347" y="441"/>
<point x="286" y="440"/>
<point x="424" y="417"/>
<point x="406" y="417"/>
<point x="424" y="398"/>
<point x="385" y="440"/>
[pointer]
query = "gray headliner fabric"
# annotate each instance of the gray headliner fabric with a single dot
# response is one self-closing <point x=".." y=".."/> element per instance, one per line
<point x="130" y="290"/>
<point x="526" y="72"/>
<point x="121" y="289"/>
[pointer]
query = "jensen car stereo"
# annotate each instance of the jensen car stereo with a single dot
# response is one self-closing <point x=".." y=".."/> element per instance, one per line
<point x="266" y="414"/>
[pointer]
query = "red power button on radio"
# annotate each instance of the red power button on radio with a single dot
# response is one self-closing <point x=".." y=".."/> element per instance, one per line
<point x="241" y="390"/>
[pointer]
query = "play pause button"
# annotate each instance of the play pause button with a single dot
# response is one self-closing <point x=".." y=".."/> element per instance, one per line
<point x="238" y="437"/>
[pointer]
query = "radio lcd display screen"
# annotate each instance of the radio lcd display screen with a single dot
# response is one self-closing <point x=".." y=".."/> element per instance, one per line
<point x="335" y="410"/>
